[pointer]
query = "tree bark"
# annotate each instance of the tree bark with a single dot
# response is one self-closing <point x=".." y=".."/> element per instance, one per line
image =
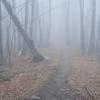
<point x="47" y="42"/>
<point x="67" y="15"/>
<point x="25" y="25"/>
<point x="82" y="29"/>
<point x="36" y="56"/>
<point x="13" y="27"/>
<point x="98" y="37"/>
<point x="93" y="26"/>
<point x="32" y="16"/>
<point x="1" y="45"/>
<point x="41" y="35"/>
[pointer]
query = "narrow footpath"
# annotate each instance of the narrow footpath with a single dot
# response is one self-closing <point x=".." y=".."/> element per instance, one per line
<point x="55" y="88"/>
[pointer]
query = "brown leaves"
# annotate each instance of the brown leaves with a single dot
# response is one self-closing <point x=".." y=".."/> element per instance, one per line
<point x="27" y="77"/>
<point x="85" y="74"/>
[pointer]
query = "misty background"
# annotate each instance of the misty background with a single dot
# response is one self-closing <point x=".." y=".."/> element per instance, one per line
<point x="57" y="23"/>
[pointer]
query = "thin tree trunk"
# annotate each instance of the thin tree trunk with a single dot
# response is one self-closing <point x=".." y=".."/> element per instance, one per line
<point x="49" y="27"/>
<point x="8" y="57"/>
<point x="25" y="25"/>
<point x="36" y="56"/>
<point x="93" y="26"/>
<point x="67" y="34"/>
<point x="14" y="32"/>
<point x="20" y="45"/>
<point x="1" y="45"/>
<point x="82" y="30"/>
<point x="32" y="16"/>
<point x="98" y="38"/>
<point x="41" y="38"/>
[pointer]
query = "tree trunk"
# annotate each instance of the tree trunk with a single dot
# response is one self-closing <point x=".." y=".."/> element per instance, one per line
<point x="82" y="30"/>
<point x="14" y="30"/>
<point x="20" y="42"/>
<point x="1" y="46"/>
<point x="67" y="15"/>
<point x="36" y="56"/>
<point x="47" y="42"/>
<point x="9" y="44"/>
<point x="25" y="25"/>
<point x="32" y="16"/>
<point x="98" y="37"/>
<point x="93" y="26"/>
<point x="98" y="43"/>
<point x="41" y="35"/>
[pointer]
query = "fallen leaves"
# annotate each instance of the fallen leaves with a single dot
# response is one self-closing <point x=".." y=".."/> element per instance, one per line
<point x="85" y="73"/>
<point x="27" y="77"/>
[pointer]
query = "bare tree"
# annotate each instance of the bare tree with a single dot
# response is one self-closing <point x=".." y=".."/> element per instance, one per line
<point x="25" y="25"/>
<point x="1" y="45"/>
<point x="32" y="16"/>
<point x="8" y="57"/>
<point x="93" y="26"/>
<point x="36" y="56"/>
<point x="82" y="29"/>
<point x="20" y="42"/>
<point x="41" y="34"/>
<point x="67" y="34"/>
<point x="98" y="37"/>
<point x="49" y="26"/>
<point x="14" y="30"/>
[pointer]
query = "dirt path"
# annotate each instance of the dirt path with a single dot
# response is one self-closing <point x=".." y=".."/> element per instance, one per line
<point x="54" y="88"/>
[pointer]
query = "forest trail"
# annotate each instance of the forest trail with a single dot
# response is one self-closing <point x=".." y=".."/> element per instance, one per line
<point x="55" y="88"/>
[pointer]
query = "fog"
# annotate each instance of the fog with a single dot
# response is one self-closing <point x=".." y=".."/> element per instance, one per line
<point x="65" y="18"/>
<point x="61" y="15"/>
<point x="49" y="49"/>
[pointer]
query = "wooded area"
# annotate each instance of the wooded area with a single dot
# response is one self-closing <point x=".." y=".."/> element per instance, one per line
<point x="44" y="38"/>
<point x="93" y="44"/>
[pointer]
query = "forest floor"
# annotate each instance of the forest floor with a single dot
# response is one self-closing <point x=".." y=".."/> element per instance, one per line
<point x="77" y="78"/>
<point x="85" y="77"/>
<point x="23" y="77"/>
<point x="64" y="75"/>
